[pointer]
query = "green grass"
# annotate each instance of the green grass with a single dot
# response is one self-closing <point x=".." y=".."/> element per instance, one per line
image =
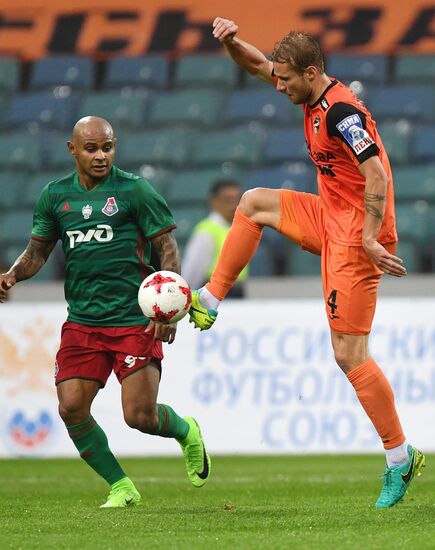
<point x="249" y="503"/>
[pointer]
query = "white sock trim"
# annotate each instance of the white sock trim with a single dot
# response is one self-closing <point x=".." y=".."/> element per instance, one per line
<point x="207" y="299"/>
<point x="397" y="456"/>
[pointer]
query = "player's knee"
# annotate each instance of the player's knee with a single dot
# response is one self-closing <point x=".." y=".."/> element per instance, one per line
<point x="142" y="419"/>
<point x="347" y="360"/>
<point x="73" y="412"/>
<point x="250" y="202"/>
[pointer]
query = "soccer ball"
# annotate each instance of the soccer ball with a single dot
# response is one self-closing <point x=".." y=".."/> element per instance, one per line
<point x="164" y="297"/>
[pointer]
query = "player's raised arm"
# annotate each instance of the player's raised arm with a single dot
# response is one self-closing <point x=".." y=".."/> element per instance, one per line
<point x="244" y="54"/>
<point x="26" y="265"/>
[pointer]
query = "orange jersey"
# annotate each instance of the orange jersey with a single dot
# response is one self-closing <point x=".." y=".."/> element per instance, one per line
<point x="341" y="134"/>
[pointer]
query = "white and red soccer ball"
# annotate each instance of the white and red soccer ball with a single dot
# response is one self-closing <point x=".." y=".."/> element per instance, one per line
<point x="164" y="297"/>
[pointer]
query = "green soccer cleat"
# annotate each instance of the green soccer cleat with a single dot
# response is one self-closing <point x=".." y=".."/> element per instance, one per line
<point x="122" y="494"/>
<point x="198" y="463"/>
<point x="200" y="316"/>
<point x="398" y="478"/>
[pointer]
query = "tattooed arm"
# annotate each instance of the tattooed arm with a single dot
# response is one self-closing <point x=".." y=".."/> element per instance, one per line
<point x="166" y="247"/>
<point x="26" y="265"/>
<point x="374" y="203"/>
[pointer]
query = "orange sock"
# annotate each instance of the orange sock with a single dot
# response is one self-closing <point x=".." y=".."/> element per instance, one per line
<point x="239" y="247"/>
<point x="376" y="396"/>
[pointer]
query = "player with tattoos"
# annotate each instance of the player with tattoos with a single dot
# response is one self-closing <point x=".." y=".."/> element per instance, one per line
<point x="350" y="224"/>
<point x="108" y="220"/>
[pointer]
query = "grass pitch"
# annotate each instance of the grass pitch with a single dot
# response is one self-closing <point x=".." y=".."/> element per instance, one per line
<point x="249" y="503"/>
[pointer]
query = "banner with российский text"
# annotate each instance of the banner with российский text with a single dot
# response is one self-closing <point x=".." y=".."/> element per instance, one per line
<point x="263" y="380"/>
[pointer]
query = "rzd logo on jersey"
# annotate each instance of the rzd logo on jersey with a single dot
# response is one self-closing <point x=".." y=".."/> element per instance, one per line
<point x="102" y="234"/>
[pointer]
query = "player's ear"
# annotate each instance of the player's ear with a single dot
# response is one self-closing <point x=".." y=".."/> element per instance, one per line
<point x="311" y="72"/>
<point x="71" y="148"/>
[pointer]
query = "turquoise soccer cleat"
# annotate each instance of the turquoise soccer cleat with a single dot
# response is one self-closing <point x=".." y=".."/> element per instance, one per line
<point x="200" y="316"/>
<point x="123" y="494"/>
<point x="397" y="479"/>
<point x="198" y="462"/>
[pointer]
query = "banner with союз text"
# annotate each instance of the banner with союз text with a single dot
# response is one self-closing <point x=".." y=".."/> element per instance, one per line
<point x="263" y="380"/>
<point x="30" y="29"/>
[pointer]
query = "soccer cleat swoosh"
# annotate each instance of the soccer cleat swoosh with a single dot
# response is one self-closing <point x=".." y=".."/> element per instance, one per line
<point x="406" y="478"/>
<point x="204" y="473"/>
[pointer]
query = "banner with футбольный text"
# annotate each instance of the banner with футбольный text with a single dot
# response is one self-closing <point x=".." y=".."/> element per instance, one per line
<point x="30" y="29"/>
<point x="262" y="381"/>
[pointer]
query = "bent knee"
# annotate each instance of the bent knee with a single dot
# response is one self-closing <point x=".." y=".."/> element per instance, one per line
<point x="73" y="412"/>
<point x="261" y="205"/>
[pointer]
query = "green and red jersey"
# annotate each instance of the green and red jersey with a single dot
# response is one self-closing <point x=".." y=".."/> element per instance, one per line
<point x="106" y="235"/>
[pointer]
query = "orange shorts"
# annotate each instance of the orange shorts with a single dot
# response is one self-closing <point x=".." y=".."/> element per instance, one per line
<point x="350" y="280"/>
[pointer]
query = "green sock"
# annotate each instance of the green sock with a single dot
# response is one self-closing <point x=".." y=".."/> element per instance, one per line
<point x="91" y="442"/>
<point x="170" y="424"/>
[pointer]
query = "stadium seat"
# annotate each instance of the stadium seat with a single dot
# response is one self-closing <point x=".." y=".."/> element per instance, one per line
<point x="4" y="102"/>
<point x="44" y="108"/>
<point x="159" y="178"/>
<point x="48" y="272"/>
<point x="56" y="152"/>
<point x="148" y="71"/>
<point x="283" y="145"/>
<point x="194" y="185"/>
<point x="297" y="175"/>
<point x="251" y="81"/>
<point x="301" y="262"/>
<point x="414" y="182"/>
<point x="12" y="189"/>
<point x="37" y="182"/>
<point x="19" y="151"/>
<point x="412" y="220"/>
<point x="74" y="71"/>
<point x="265" y="105"/>
<point x="414" y="68"/>
<point x="408" y="251"/>
<point x="164" y="148"/>
<point x="237" y="145"/>
<point x="186" y="218"/>
<point x="194" y="107"/>
<point x="422" y="144"/>
<point x="123" y="110"/>
<point x="262" y="264"/>
<point x="402" y="101"/>
<point x="15" y="226"/>
<point x="9" y="75"/>
<point x="395" y="138"/>
<point x="208" y="70"/>
<point x="365" y="68"/>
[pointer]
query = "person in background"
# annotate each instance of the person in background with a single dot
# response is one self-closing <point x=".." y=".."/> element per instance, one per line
<point x="204" y="246"/>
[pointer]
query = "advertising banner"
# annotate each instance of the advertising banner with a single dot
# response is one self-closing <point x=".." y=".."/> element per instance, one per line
<point x="263" y="381"/>
<point x="30" y="29"/>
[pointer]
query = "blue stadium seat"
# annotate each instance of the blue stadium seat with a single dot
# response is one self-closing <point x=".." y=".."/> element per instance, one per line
<point x="15" y="226"/>
<point x="265" y="105"/>
<point x="413" y="220"/>
<point x="20" y="151"/>
<point x="254" y="82"/>
<point x="238" y="145"/>
<point x="122" y="109"/>
<point x="206" y="70"/>
<point x="283" y="145"/>
<point x="151" y="71"/>
<point x="402" y="101"/>
<point x="43" y="108"/>
<point x="414" y="68"/>
<point x="423" y="144"/>
<point x="365" y="68"/>
<point x="262" y="264"/>
<point x="396" y="138"/>
<point x="167" y="147"/>
<point x="301" y="262"/>
<point x="297" y="175"/>
<point x="414" y="182"/>
<point x="408" y="251"/>
<point x="193" y="107"/>
<point x="74" y="71"/>
<point x="12" y="189"/>
<point x="10" y="69"/>
<point x="37" y="182"/>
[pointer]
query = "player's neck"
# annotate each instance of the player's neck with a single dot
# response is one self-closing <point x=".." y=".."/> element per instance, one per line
<point x="319" y="88"/>
<point x="88" y="182"/>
